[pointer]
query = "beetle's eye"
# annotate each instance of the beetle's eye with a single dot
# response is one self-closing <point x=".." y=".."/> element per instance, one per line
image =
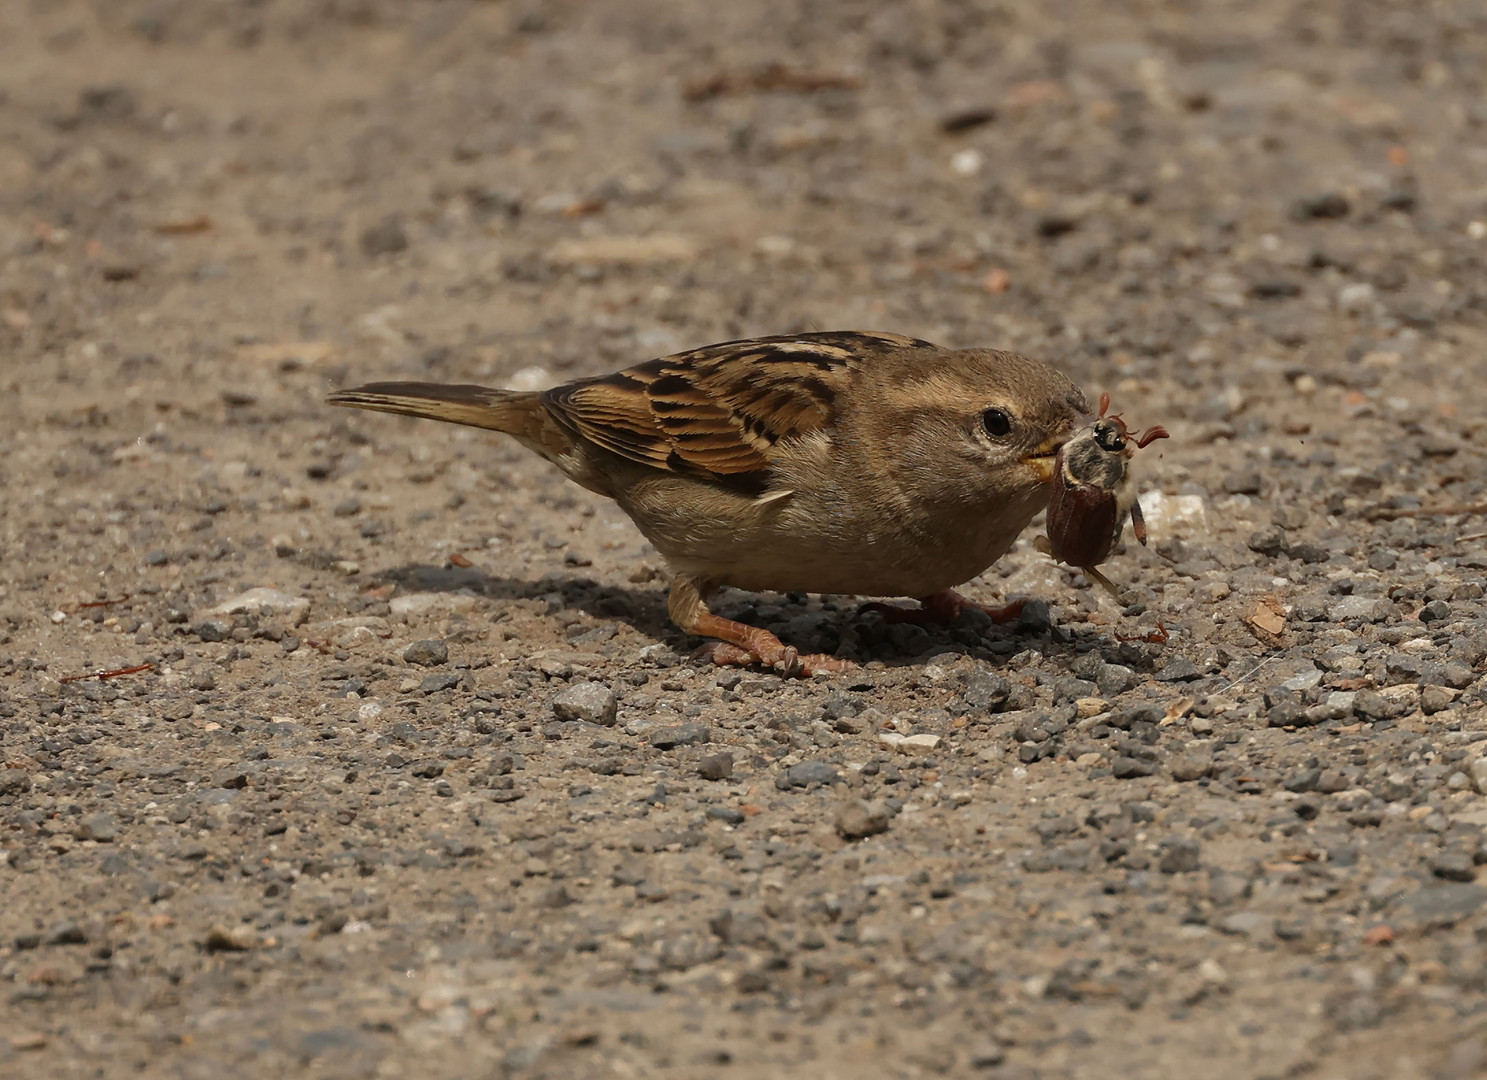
<point x="1110" y="438"/>
<point x="996" y="422"/>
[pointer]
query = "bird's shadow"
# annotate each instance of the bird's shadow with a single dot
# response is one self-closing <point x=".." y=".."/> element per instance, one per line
<point x="811" y="624"/>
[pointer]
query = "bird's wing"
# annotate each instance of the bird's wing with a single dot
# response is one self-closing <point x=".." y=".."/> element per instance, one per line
<point x="718" y="411"/>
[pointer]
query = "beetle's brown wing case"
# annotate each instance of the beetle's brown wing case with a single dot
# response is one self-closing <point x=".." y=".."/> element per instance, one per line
<point x="1081" y="523"/>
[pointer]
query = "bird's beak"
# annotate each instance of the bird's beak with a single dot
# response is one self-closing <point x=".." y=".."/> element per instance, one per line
<point x="1043" y="465"/>
<point x="1044" y="460"/>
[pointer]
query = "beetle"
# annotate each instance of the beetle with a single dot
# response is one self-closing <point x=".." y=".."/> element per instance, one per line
<point x="1093" y="493"/>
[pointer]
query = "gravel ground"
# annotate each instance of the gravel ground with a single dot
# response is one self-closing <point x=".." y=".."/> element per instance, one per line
<point x="452" y="799"/>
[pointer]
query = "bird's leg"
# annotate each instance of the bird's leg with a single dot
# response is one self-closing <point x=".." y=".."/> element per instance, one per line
<point x="944" y="607"/>
<point x="740" y="644"/>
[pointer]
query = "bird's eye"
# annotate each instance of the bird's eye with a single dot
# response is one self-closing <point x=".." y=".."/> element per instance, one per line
<point x="996" y="422"/>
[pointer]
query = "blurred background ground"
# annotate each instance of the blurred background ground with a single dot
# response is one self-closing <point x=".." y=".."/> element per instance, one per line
<point x="294" y="847"/>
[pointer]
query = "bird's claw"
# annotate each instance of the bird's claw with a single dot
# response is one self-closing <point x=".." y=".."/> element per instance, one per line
<point x="787" y="662"/>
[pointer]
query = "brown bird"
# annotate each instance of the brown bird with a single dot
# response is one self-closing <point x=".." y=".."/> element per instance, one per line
<point x="862" y="463"/>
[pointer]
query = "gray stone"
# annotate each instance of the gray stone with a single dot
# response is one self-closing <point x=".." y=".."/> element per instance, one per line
<point x="1302" y="780"/>
<point x="1114" y="680"/>
<point x="98" y="826"/>
<point x="590" y="701"/>
<point x="67" y="932"/>
<point x="212" y="630"/>
<point x="233" y="777"/>
<point x="1191" y="764"/>
<point x="1268" y="542"/>
<point x="1178" y="669"/>
<point x="1382" y="559"/>
<point x="1303" y="681"/>
<point x="387" y="237"/>
<point x="987" y="691"/>
<point x="691" y="734"/>
<point x="1435" y="611"/>
<point x="1372" y="705"/>
<point x="1434" y="699"/>
<point x="1141" y="714"/>
<point x="1179" y="856"/>
<point x="1364" y="608"/>
<point x="858" y="819"/>
<point x="716" y="766"/>
<point x="1459" y="676"/>
<point x="430" y="652"/>
<point x="1453" y="866"/>
<point x="1129" y="768"/>
<point x="1437" y="905"/>
<point x="806" y="774"/>
<point x="1248" y="924"/>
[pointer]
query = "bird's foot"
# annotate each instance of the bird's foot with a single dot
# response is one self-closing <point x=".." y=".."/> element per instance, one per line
<point x="790" y="663"/>
<point x="743" y="645"/>
<point x="943" y="607"/>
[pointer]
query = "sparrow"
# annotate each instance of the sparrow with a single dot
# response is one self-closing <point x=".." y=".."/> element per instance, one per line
<point x="850" y="462"/>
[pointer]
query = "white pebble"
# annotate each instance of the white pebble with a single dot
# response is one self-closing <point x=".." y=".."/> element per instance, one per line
<point x="262" y="601"/>
<point x="1169" y="514"/>
<point x="966" y="162"/>
<point x="919" y="744"/>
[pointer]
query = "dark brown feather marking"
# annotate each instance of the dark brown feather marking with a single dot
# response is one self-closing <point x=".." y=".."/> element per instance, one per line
<point x="718" y="411"/>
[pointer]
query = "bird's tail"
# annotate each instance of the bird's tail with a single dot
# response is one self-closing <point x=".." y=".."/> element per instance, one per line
<point x="477" y="406"/>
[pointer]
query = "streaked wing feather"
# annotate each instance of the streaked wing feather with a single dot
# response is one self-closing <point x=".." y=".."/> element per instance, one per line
<point x="719" y="411"/>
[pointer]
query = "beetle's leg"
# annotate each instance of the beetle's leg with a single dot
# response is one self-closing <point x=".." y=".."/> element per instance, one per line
<point x="1138" y="523"/>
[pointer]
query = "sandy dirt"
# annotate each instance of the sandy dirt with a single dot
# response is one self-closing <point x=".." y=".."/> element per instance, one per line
<point x="455" y="800"/>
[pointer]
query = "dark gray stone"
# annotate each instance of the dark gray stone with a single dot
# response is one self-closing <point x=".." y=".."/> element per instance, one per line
<point x="691" y="734"/>
<point x="806" y="774"/>
<point x="1371" y="705"/>
<point x="1435" y="611"/>
<point x="387" y="237"/>
<point x="430" y="652"/>
<point x="1453" y="866"/>
<point x="1179" y="856"/>
<point x="1129" y="768"/>
<point x="987" y="691"/>
<point x="717" y="766"/>
<point x="212" y="630"/>
<point x="432" y="684"/>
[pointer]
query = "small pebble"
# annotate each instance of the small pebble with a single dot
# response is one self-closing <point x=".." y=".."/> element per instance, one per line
<point x="857" y="819"/>
<point x="1179" y="857"/>
<point x="100" y="826"/>
<point x="717" y="766"/>
<point x="591" y="702"/>
<point x="387" y="237"/>
<point x="430" y="652"/>
<point x="806" y="774"/>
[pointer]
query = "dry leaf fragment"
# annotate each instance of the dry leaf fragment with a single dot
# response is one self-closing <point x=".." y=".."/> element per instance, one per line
<point x="1269" y="617"/>
<point x="1177" y="710"/>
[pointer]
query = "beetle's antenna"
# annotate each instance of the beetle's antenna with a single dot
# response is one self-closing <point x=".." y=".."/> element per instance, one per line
<point x="1151" y="435"/>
